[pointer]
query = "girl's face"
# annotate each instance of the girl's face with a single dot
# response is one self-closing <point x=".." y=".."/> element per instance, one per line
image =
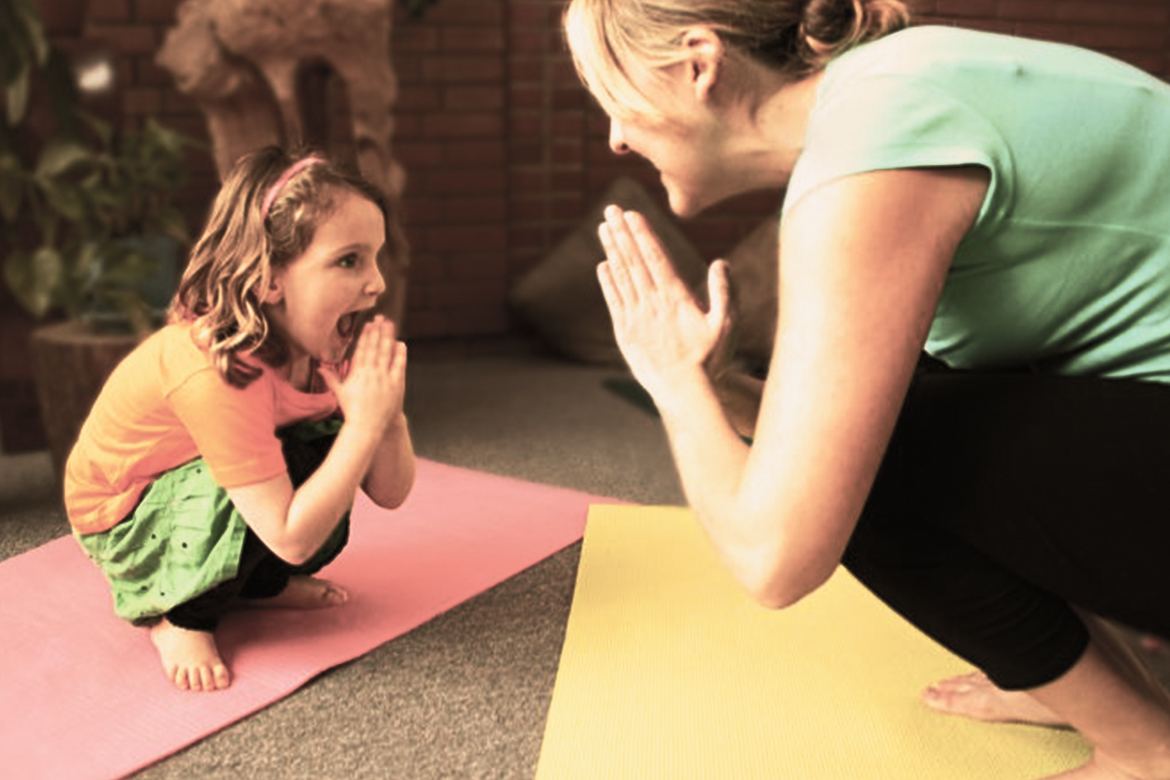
<point x="316" y="300"/>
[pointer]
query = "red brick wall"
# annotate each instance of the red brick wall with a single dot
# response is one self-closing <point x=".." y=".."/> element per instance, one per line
<point x="1132" y="30"/>
<point x="505" y="151"/>
<point x="546" y="160"/>
<point x="134" y="30"/>
<point x="503" y="148"/>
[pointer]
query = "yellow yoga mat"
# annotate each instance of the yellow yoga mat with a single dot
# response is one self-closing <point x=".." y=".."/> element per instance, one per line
<point x="669" y="671"/>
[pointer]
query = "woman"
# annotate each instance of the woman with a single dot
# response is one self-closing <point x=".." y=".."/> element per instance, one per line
<point x="1003" y="204"/>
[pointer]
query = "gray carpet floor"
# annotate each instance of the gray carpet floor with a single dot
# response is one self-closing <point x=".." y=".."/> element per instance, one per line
<point x="465" y="695"/>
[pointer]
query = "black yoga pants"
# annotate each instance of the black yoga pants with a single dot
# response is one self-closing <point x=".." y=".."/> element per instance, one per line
<point x="1003" y="499"/>
<point x="261" y="573"/>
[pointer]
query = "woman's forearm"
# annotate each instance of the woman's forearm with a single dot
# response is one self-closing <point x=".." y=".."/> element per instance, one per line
<point x="740" y="395"/>
<point x="711" y="459"/>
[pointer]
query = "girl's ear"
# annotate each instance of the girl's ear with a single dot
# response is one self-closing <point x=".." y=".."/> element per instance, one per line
<point x="275" y="292"/>
<point x="705" y="53"/>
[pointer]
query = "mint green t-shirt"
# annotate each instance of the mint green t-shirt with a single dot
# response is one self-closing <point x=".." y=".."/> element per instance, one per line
<point x="1067" y="267"/>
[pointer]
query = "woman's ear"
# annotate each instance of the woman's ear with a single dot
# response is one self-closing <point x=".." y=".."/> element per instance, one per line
<point x="705" y="53"/>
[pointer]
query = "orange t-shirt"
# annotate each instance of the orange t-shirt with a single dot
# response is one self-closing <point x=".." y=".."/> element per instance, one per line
<point x="164" y="405"/>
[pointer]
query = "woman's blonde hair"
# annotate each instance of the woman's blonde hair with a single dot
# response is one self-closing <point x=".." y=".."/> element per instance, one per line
<point x="232" y="265"/>
<point x="606" y="36"/>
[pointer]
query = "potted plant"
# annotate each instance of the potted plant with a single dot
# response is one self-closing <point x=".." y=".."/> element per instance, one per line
<point x="88" y="235"/>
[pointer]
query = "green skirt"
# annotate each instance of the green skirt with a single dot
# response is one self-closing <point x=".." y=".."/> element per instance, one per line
<point x="185" y="536"/>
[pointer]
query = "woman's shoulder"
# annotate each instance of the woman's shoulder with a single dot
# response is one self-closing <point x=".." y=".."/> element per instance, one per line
<point x="936" y="53"/>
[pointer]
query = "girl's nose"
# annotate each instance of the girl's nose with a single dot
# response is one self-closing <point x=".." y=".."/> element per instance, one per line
<point x="375" y="284"/>
<point x="617" y="141"/>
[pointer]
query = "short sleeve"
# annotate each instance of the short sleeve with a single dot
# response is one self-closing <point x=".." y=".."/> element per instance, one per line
<point x="233" y="429"/>
<point x="888" y="121"/>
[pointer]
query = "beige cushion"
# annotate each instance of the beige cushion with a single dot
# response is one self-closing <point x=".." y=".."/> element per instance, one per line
<point x="561" y="298"/>
<point x="753" y="266"/>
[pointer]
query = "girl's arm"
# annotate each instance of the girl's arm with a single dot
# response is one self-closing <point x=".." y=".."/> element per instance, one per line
<point x="391" y="474"/>
<point x="294" y="524"/>
<point x="865" y="258"/>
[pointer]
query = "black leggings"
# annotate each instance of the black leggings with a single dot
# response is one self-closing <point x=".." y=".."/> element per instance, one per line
<point x="1005" y="498"/>
<point x="261" y="573"/>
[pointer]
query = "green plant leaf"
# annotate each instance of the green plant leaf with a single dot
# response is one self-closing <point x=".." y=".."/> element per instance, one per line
<point x="60" y="155"/>
<point x="33" y="278"/>
<point x="11" y="187"/>
<point x="100" y="128"/>
<point x="69" y="200"/>
<point x="16" y="97"/>
<point x="85" y="269"/>
<point x="34" y="28"/>
<point x="22" y="38"/>
<point x="125" y="267"/>
<point x="170" y="222"/>
<point x="62" y="89"/>
<point x="131" y="306"/>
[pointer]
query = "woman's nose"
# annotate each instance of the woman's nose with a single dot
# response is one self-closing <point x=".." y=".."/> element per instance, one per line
<point x="617" y="141"/>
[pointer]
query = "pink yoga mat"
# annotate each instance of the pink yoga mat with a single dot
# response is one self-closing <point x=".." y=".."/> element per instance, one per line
<point x="82" y="694"/>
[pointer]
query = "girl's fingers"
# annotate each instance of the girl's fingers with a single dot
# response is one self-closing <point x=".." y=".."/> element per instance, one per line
<point x="330" y="376"/>
<point x="384" y="348"/>
<point x="719" y="291"/>
<point x="362" y="350"/>
<point x="398" y="361"/>
<point x="397" y="371"/>
<point x="375" y="346"/>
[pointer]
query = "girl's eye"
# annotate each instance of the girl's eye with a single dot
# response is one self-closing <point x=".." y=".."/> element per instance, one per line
<point x="348" y="261"/>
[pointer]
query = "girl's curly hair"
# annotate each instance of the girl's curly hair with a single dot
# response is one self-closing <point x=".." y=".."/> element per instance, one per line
<point x="232" y="265"/>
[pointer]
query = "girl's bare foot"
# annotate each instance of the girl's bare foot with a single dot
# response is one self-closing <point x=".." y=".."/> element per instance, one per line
<point x="190" y="658"/>
<point x="304" y="593"/>
<point x="975" y="696"/>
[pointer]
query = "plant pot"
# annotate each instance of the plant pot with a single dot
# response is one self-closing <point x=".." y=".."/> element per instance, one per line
<point x="72" y="361"/>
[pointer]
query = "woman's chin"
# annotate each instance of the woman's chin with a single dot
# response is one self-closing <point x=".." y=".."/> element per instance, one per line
<point x="681" y="203"/>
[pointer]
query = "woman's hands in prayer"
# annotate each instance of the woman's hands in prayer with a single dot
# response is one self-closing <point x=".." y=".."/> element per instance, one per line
<point x="665" y="337"/>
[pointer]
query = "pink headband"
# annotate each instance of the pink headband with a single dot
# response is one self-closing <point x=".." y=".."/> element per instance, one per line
<point x="275" y="189"/>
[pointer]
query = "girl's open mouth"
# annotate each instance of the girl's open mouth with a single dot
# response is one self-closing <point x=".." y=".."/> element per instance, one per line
<point x="347" y="326"/>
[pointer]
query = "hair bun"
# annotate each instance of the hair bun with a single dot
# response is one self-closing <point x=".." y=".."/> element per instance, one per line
<point x="829" y="21"/>
<point x="839" y="25"/>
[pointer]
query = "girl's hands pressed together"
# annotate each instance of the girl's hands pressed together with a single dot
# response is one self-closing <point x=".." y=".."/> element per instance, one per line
<point x="372" y="390"/>
<point x="663" y="334"/>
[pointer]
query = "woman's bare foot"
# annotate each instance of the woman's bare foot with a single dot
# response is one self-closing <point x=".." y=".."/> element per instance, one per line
<point x="1101" y="767"/>
<point x="975" y="696"/>
<point x="304" y="593"/>
<point x="190" y="658"/>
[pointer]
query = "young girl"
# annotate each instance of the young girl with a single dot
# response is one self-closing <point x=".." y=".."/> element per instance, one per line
<point x="217" y="467"/>
<point x="1003" y="204"/>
